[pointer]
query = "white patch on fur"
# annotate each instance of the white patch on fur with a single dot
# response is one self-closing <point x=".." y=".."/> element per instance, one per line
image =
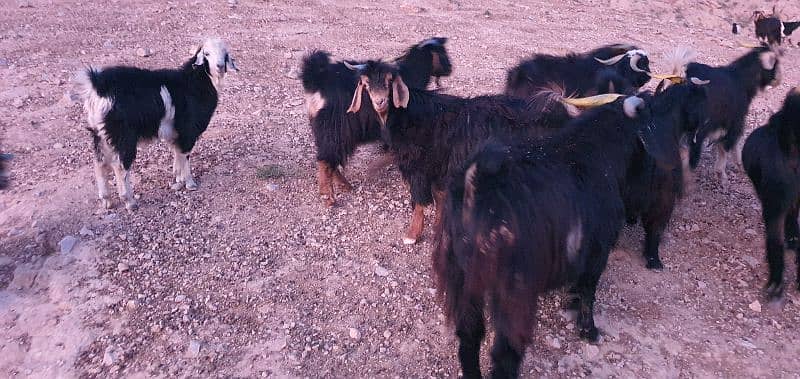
<point x="182" y="170"/>
<point x="574" y="241"/>
<point x="95" y="106"/>
<point x="636" y="52"/>
<point x="631" y="106"/>
<point x="166" y="128"/>
<point x="314" y="103"/>
<point x="768" y="60"/>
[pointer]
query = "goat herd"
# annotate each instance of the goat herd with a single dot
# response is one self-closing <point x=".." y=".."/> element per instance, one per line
<point x="531" y="187"/>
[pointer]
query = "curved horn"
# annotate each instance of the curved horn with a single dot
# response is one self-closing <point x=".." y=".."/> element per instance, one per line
<point x="634" y="61"/>
<point x="592" y="101"/>
<point x="631" y="106"/>
<point x="748" y="45"/>
<point x="610" y="61"/>
<point x="355" y="67"/>
<point x="698" y="81"/>
<point x="432" y="41"/>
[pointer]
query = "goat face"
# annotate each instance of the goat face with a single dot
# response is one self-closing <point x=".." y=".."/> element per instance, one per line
<point x="217" y="60"/>
<point x="383" y="84"/>
<point x="636" y="68"/>
<point x="770" y="72"/>
<point x="440" y="61"/>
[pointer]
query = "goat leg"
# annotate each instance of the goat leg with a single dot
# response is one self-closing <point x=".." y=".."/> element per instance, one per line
<point x="470" y="329"/>
<point x="417" y="224"/>
<point x="341" y="181"/>
<point x="325" y="181"/>
<point x="775" y="261"/>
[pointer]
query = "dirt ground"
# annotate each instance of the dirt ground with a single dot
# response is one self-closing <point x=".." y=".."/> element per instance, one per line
<point x="251" y="276"/>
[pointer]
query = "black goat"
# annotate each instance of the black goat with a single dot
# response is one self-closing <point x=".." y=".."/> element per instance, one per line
<point x="653" y="190"/>
<point x="126" y="105"/>
<point x="581" y="74"/>
<point x="522" y="219"/>
<point x="431" y="134"/>
<point x="4" y="175"/>
<point x="771" y="158"/>
<point x="329" y="88"/>
<point x="770" y="29"/>
<point x="730" y="92"/>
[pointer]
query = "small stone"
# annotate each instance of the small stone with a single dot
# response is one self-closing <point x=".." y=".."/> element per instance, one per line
<point x="750" y="232"/>
<point x="67" y="243"/>
<point x="380" y="271"/>
<point x="554" y="342"/>
<point x="387" y="334"/>
<point x="86" y="232"/>
<point x="122" y="267"/>
<point x="18" y="102"/>
<point x="755" y="306"/>
<point x="58" y="145"/>
<point x="131" y="304"/>
<point x="288" y="55"/>
<point x="701" y="284"/>
<point x="272" y="187"/>
<point x="193" y="350"/>
<point x="591" y="351"/>
<point x="142" y="52"/>
<point x="354" y="334"/>
<point x="277" y="345"/>
<point x="112" y="355"/>
<point x="694" y="228"/>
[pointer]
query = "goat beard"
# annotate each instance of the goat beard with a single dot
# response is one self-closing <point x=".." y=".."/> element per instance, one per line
<point x="217" y="80"/>
<point x="383" y="116"/>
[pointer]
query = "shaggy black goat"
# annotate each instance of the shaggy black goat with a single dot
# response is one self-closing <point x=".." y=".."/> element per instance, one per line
<point x="127" y="105"/>
<point x="329" y="88"/>
<point x="771" y="158"/>
<point x="770" y="29"/>
<point x="653" y="190"/>
<point x="520" y="220"/>
<point x="431" y="134"/>
<point x="581" y="74"/>
<point x="730" y="92"/>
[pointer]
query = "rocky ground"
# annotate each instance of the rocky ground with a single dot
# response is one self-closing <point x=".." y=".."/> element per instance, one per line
<point x="251" y="276"/>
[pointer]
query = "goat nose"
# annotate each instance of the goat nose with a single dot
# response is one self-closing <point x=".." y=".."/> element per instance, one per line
<point x="220" y="67"/>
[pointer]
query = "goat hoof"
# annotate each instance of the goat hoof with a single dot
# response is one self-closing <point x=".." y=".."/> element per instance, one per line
<point x="176" y="186"/>
<point x="574" y="304"/>
<point x="191" y="186"/>
<point x="131" y="206"/>
<point x="590" y="334"/>
<point x="409" y="241"/>
<point x="655" y="264"/>
<point x="774" y="292"/>
<point x="107" y="204"/>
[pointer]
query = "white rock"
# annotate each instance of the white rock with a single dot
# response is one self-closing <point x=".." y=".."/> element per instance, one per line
<point x="67" y="243"/>
<point x="380" y="271"/>
<point x="86" y="232"/>
<point x="755" y="306"/>
<point x="112" y="355"/>
<point x="58" y="145"/>
<point x="277" y="345"/>
<point x="142" y="52"/>
<point x="122" y="267"/>
<point x="354" y="333"/>
<point x="591" y="351"/>
<point x="193" y="350"/>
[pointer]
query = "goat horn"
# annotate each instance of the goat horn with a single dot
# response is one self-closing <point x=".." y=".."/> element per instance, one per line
<point x="748" y="45"/>
<point x="610" y="61"/>
<point x="698" y="81"/>
<point x="592" y="101"/>
<point x="431" y="41"/>
<point x="355" y="67"/>
<point x="634" y="61"/>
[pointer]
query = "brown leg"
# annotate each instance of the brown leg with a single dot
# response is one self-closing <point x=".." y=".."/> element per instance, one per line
<point x="438" y="198"/>
<point x="417" y="223"/>
<point x="325" y="182"/>
<point x="339" y="179"/>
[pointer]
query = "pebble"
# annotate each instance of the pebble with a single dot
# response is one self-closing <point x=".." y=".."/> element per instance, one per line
<point x="122" y="267"/>
<point x="58" y="145"/>
<point x="277" y="345"/>
<point x="272" y="187"/>
<point x="591" y="351"/>
<point x="142" y="52"/>
<point x="755" y="306"/>
<point x="387" y="334"/>
<point x="288" y="55"/>
<point x="193" y="350"/>
<point x="86" y="232"/>
<point x="380" y="271"/>
<point x="112" y="355"/>
<point x="354" y="333"/>
<point x="18" y="102"/>
<point x="67" y="243"/>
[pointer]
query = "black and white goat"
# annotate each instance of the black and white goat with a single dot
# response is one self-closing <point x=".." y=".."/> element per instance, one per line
<point x="431" y="134"/>
<point x="526" y="217"/>
<point x="583" y="74"/>
<point x="127" y="105"/>
<point x="770" y="29"/>
<point x="730" y="92"/>
<point x="771" y="158"/>
<point x="330" y="87"/>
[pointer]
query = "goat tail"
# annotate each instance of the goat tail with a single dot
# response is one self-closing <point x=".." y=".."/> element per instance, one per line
<point x="790" y="27"/>
<point x="82" y="85"/>
<point x="314" y="69"/>
<point x="472" y="232"/>
<point x="678" y="59"/>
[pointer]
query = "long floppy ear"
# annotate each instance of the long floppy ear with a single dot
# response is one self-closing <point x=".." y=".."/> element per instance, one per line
<point x="355" y="105"/>
<point x="199" y="57"/>
<point x="659" y="144"/>
<point x="399" y="92"/>
<point x="229" y="64"/>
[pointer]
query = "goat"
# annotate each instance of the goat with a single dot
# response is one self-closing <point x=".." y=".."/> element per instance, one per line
<point x="771" y="159"/>
<point x="579" y="74"/>
<point x="329" y="87"/>
<point x="730" y="92"/>
<point x="524" y="218"/>
<point x="127" y="105"/>
<point x="770" y="29"/>
<point x="653" y="190"/>
<point x="431" y="134"/>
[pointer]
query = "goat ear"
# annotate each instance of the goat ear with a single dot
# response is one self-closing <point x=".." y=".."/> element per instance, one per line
<point x="199" y="58"/>
<point x="399" y="92"/>
<point x="229" y="64"/>
<point x="768" y="60"/>
<point x="660" y="145"/>
<point x="355" y="105"/>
